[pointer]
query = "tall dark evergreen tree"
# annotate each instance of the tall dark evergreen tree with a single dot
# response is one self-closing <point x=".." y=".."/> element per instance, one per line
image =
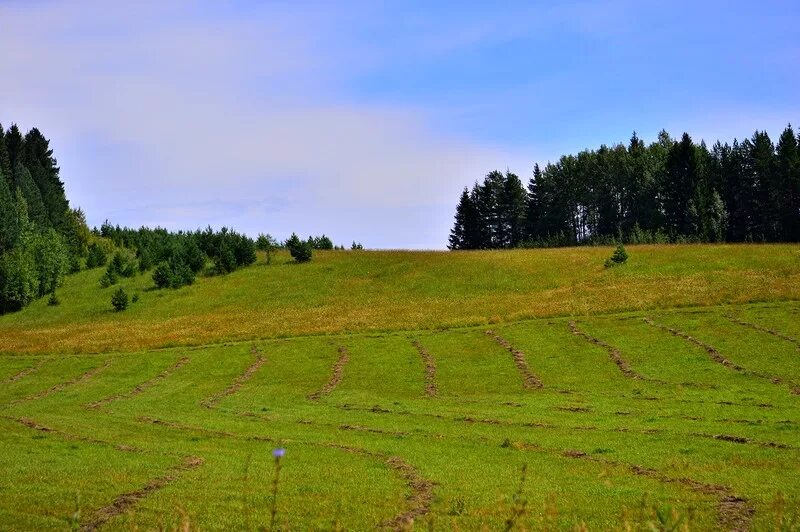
<point x="5" y="160"/>
<point x="512" y="204"/>
<point x="33" y="197"/>
<point x="533" y="215"/>
<point x="762" y="161"/>
<point x="6" y="214"/>
<point x="14" y="146"/>
<point x="38" y="158"/>
<point x="787" y="169"/>
<point x="458" y="235"/>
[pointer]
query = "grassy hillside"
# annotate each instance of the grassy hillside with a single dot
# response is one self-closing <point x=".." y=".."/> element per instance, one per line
<point x="429" y="428"/>
<point x="665" y="391"/>
<point x="381" y="291"/>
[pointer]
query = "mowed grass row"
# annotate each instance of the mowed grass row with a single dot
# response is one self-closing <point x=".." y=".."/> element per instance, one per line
<point x="185" y="435"/>
<point x="345" y="292"/>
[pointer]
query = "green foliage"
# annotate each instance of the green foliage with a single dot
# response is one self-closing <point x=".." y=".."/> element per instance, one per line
<point x="119" y="300"/>
<point x="620" y="256"/>
<point x="162" y="275"/>
<point x="356" y="246"/>
<point x="267" y="244"/>
<point x="670" y="191"/>
<point x="299" y="250"/>
<point x="96" y="256"/>
<point x="320" y="242"/>
<point x="19" y="280"/>
<point x="53" y="300"/>
<point x="51" y="258"/>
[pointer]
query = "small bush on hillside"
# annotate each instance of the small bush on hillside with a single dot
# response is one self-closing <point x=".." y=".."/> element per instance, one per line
<point x="108" y="279"/>
<point x="356" y="245"/>
<point x="97" y="256"/>
<point x="620" y="256"/>
<point x="119" y="300"/>
<point x="135" y="298"/>
<point x="53" y="301"/>
<point x="162" y="275"/>
<point x="300" y="251"/>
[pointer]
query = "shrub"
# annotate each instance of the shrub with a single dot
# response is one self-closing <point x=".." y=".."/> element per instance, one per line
<point x="108" y="279"/>
<point x="135" y="298"/>
<point x="162" y="275"/>
<point x="119" y="300"/>
<point x="53" y="301"/>
<point x="97" y="256"/>
<point x="300" y="251"/>
<point x="356" y="245"/>
<point x="620" y="256"/>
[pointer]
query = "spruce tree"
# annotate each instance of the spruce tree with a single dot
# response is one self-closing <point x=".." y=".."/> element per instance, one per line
<point x="38" y="158"/>
<point x="762" y="165"/>
<point x="512" y="204"/>
<point x="788" y="185"/>
<point x="36" y="209"/>
<point x="6" y="214"/>
<point x="533" y="212"/>
<point x="5" y="160"/>
<point x="458" y="235"/>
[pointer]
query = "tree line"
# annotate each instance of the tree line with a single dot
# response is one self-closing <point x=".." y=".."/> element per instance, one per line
<point x="668" y="191"/>
<point x="42" y="239"/>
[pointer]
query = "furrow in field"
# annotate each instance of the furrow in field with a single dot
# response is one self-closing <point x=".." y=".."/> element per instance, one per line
<point x="211" y="402"/>
<point x="336" y="375"/>
<point x="734" y="512"/>
<point x="431" y="389"/>
<point x="763" y="329"/>
<point x="126" y="501"/>
<point x="35" y="425"/>
<point x="613" y="352"/>
<point x="716" y="356"/>
<point x="142" y="387"/>
<point x="529" y="379"/>
<point x="420" y="490"/>
<point x="25" y="372"/>
<point x="86" y="376"/>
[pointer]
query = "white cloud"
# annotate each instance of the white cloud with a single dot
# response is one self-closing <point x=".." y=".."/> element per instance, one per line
<point x="183" y="120"/>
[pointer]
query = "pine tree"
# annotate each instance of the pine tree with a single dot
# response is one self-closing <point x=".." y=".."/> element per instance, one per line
<point x="512" y="203"/>
<point x="533" y="213"/>
<point x="14" y="146"/>
<point x="683" y="173"/>
<point x="6" y="214"/>
<point x="36" y="209"/>
<point x="38" y="158"/>
<point x="788" y="185"/>
<point x="5" y="161"/>
<point x="762" y="165"/>
<point x="458" y="235"/>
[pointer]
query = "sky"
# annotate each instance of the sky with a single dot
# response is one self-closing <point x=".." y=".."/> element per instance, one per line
<point x="365" y="120"/>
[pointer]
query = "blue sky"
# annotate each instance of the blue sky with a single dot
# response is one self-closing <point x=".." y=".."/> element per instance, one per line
<point x="365" y="120"/>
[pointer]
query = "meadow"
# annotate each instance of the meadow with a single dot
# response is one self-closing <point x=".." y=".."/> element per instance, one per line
<point x="480" y="390"/>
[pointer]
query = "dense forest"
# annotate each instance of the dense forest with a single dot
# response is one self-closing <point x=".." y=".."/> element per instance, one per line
<point x="42" y="239"/>
<point x="668" y="191"/>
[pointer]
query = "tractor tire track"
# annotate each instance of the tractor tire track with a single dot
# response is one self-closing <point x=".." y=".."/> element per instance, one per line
<point x="613" y="352"/>
<point x="80" y="379"/>
<point x="529" y="380"/>
<point x="35" y="425"/>
<point x="336" y="375"/>
<point x="212" y="401"/>
<point x="420" y="495"/>
<point x="124" y="502"/>
<point x="734" y="512"/>
<point x="431" y="389"/>
<point x="760" y="328"/>
<point x="142" y="387"/>
<point x="25" y="372"/>
<point x="716" y="356"/>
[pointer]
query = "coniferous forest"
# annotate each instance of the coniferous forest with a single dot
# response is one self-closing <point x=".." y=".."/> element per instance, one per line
<point x="42" y="239"/>
<point x="668" y="191"/>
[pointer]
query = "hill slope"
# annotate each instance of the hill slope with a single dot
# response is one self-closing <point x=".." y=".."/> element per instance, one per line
<point x="385" y="290"/>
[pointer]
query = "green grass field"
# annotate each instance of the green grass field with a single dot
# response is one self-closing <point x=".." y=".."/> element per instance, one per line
<point x="410" y="389"/>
